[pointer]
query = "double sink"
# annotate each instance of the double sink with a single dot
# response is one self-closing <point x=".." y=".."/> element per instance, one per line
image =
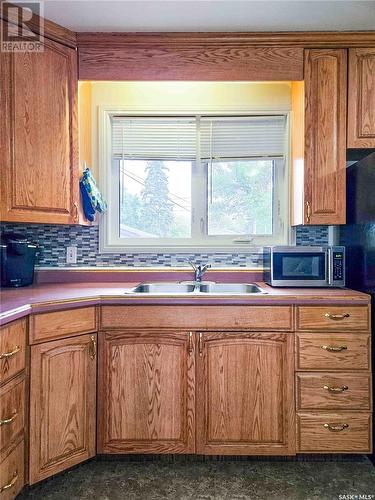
<point x="205" y="287"/>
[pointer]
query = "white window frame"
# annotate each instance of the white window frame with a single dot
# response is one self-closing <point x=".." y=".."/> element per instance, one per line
<point x="109" y="240"/>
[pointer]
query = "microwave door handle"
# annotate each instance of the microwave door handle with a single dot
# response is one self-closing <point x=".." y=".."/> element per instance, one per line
<point x="330" y="271"/>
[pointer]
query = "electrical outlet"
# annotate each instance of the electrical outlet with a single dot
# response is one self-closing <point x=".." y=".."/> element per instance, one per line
<point x="71" y="255"/>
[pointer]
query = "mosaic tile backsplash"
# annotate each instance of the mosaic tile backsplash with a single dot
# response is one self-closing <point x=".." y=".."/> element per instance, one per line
<point x="53" y="240"/>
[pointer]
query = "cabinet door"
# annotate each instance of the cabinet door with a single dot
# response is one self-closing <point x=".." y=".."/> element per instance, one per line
<point x="325" y="136"/>
<point x="62" y="405"/>
<point x="361" y="98"/>
<point x="39" y="181"/>
<point x="245" y="403"/>
<point x="146" y="393"/>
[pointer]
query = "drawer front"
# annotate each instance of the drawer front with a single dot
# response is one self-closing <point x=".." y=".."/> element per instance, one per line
<point x="12" y="473"/>
<point x="335" y="318"/>
<point x="332" y="351"/>
<point x="12" y="411"/>
<point x="59" y="324"/>
<point x="198" y="317"/>
<point x="330" y="391"/>
<point x="334" y="432"/>
<point x="12" y="350"/>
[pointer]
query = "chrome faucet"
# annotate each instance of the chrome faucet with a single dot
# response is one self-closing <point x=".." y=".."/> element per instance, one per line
<point x="199" y="271"/>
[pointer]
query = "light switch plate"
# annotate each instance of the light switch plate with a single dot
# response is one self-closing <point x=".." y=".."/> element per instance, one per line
<point x="71" y="255"/>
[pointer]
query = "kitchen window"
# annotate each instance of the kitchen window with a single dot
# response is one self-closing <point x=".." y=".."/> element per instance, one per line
<point x="183" y="183"/>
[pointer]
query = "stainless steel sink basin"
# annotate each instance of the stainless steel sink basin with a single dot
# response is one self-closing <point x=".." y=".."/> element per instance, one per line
<point x="231" y="288"/>
<point x="204" y="287"/>
<point x="169" y="288"/>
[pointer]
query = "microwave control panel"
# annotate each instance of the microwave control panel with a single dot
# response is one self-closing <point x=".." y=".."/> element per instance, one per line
<point x="338" y="266"/>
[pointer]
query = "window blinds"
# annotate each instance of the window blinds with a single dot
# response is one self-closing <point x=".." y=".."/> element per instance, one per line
<point x="242" y="137"/>
<point x="154" y="138"/>
<point x="177" y="138"/>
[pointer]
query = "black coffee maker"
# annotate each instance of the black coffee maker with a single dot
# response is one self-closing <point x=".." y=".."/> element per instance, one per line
<point x="17" y="260"/>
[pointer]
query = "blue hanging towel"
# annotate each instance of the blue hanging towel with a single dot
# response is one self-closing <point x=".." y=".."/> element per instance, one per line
<point x="92" y="199"/>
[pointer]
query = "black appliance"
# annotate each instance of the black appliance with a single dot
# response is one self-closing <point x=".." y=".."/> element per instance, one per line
<point x="358" y="235"/>
<point x="17" y="260"/>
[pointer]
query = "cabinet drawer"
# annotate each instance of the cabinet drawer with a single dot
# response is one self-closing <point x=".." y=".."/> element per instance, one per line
<point x="12" y="408"/>
<point x="335" y="318"/>
<point x="198" y="317"/>
<point x="334" y="432"/>
<point x="330" y="391"/>
<point x="59" y="324"/>
<point x="12" y="349"/>
<point x="12" y="473"/>
<point x="332" y="351"/>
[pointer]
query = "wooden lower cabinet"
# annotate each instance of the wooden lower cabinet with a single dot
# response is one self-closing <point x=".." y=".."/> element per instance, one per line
<point x="62" y="405"/>
<point x="245" y="393"/>
<point x="12" y="473"/>
<point x="12" y="414"/>
<point x="334" y="432"/>
<point x="146" y="392"/>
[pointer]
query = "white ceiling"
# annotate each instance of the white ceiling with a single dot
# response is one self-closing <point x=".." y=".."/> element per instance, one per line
<point x="212" y="15"/>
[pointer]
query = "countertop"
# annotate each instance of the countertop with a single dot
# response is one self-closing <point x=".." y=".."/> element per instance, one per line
<point x="17" y="303"/>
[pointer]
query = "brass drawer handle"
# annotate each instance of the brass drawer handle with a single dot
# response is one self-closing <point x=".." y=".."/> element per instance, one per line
<point x="337" y="317"/>
<point x="335" y="389"/>
<point x="9" y="420"/>
<point x="10" y="353"/>
<point x="11" y="483"/>
<point x="335" y="427"/>
<point x="190" y="344"/>
<point x="334" y="348"/>
<point x="92" y="347"/>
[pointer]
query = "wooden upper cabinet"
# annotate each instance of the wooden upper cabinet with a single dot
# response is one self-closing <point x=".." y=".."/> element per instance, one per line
<point x="39" y="181"/>
<point x="319" y="154"/>
<point x="62" y="405"/>
<point x="245" y="402"/>
<point x="146" y="392"/>
<point x="361" y="98"/>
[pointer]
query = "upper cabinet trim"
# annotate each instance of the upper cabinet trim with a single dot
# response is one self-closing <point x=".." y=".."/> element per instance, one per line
<point x="304" y="39"/>
<point x="190" y="63"/>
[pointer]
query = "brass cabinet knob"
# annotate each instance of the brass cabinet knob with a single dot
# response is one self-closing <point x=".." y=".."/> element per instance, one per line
<point x="200" y="345"/>
<point x="10" y="353"/>
<point x="337" y="317"/>
<point x="9" y="420"/>
<point x="190" y="343"/>
<point x="308" y="211"/>
<point x="335" y="389"/>
<point x="92" y="347"/>
<point x="335" y="427"/>
<point x="334" y="348"/>
<point x="75" y="212"/>
<point x="11" y="483"/>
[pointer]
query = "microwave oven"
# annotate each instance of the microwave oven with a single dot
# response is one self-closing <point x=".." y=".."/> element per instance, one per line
<point x="304" y="266"/>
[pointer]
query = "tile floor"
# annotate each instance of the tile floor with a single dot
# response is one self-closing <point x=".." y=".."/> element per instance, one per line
<point x="222" y="479"/>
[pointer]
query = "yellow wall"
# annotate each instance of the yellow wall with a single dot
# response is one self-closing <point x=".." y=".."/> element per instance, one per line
<point x="191" y="97"/>
<point x="85" y="122"/>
